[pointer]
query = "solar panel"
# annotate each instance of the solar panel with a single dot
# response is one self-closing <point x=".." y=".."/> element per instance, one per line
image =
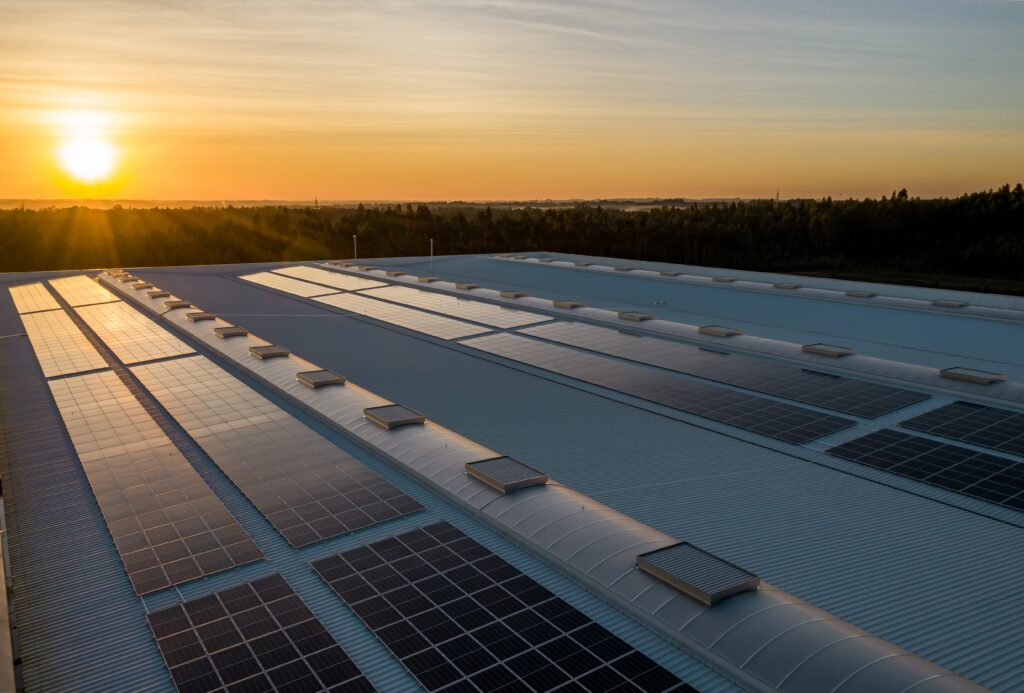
<point x="505" y="474"/>
<point x="409" y="318"/>
<point x="457" y="615"/>
<point x="132" y="336"/>
<point x="307" y="487"/>
<point x="778" y="420"/>
<point x="32" y="298"/>
<point x="60" y="346"/>
<point x="466" y="309"/>
<point x="999" y="429"/>
<point x="167" y="524"/>
<point x="696" y="572"/>
<point x="286" y="284"/>
<point x="254" y="637"/>
<point x="336" y="280"/>
<point x="977" y="474"/>
<point x="80" y="290"/>
<point x="841" y="394"/>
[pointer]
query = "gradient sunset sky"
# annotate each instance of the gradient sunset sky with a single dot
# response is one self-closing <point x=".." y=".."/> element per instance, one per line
<point x="462" y="99"/>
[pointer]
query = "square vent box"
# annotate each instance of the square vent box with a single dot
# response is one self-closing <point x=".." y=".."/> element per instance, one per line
<point x="787" y="285"/>
<point x="719" y="330"/>
<point x="856" y="293"/>
<point x="829" y="350"/>
<point x="505" y="474"/>
<point x="948" y="303"/>
<point x="970" y="375"/>
<point x="511" y="294"/>
<point x="567" y="304"/>
<point x="127" y="278"/>
<point x="668" y="273"/>
<point x="635" y="317"/>
<point x="269" y="351"/>
<point x="697" y="573"/>
<point x="315" y="379"/>
<point x="394" y="273"/>
<point x="393" y="416"/>
<point x="173" y="305"/>
<point x="230" y="331"/>
<point x="158" y="293"/>
<point x="546" y="259"/>
<point x="722" y="279"/>
<point x="623" y="268"/>
<point x="426" y="280"/>
<point x="199" y="316"/>
<point x="466" y="287"/>
<point x="580" y="263"/>
<point x="142" y="285"/>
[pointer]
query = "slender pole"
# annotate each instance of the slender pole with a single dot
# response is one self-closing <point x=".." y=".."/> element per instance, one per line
<point x="355" y="255"/>
<point x="431" y="254"/>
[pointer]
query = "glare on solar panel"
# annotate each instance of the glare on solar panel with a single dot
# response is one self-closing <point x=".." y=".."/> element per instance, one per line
<point x="132" y="336"/>
<point x="167" y="524"/>
<point x="409" y="318"/>
<point x="59" y="345"/>
<point x="80" y="290"/>
<point x="466" y="309"/>
<point x="337" y="280"/>
<point x="307" y="487"/>
<point x="286" y="284"/>
<point x="32" y="298"/>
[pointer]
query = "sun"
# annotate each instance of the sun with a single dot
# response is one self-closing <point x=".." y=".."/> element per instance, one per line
<point x="85" y="151"/>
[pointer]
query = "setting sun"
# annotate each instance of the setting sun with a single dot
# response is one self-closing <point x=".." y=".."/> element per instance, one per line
<point x="89" y="160"/>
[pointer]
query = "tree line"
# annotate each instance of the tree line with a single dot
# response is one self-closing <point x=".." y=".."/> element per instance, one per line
<point x="975" y="241"/>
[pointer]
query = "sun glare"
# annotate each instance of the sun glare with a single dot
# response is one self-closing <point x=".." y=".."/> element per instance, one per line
<point x="85" y="152"/>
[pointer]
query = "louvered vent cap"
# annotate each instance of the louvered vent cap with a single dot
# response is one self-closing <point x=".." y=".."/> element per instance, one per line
<point x="623" y="268"/>
<point x="158" y="293"/>
<point x="722" y="279"/>
<point x="173" y="305"/>
<point x="199" y="315"/>
<point x="970" y="375"/>
<point x="315" y="379"/>
<point x="466" y="287"/>
<point x="948" y="303"/>
<point x="861" y="294"/>
<point x="127" y="278"/>
<point x="142" y="285"/>
<point x="719" y="330"/>
<point x="635" y="317"/>
<point x="511" y="294"/>
<point x="230" y="331"/>
<point x="268" y="351"/>
<point x="395" y="273"/>
<point x="393" y="415"/>
<point x="567" y="304"/>
<point x="787" y="285"/>
<point x="828" y="350"/>
<point x="546" y="259"/>
<point x="505" y="474"/>
<point x="668" y="273"/>
<point x="697" y="573"/>
<point x="581" y="263"/>
<point x="426" y="280"/>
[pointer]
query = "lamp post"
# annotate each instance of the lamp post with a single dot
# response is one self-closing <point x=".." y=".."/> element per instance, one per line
<point x="431" y="254"/>
<point x="355" y="255"/>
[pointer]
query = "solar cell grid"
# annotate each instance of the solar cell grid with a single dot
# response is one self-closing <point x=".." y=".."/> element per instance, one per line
<point x="989" y="427"/>
<point x="458" y="616"/>
<point x="778" y="420"/>
<point x="32" y="298"/>
<point x="409" y="318"/>
<point x="337" y="280"/>
<point x="979" y="475"/>
<point x="841" y="394"/>
<point x="59" y="345"/>
<point x="466" y="309"/>
<point x="257" y="636"/>
<point x="132" y="336"/>
<point x="286" y="284"/>
<point x="308" y="488"/>
<point x="167" y="524"/>
<point x="80" y="290"/>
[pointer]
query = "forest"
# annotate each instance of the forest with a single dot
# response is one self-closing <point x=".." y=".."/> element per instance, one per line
<point x="973" y="242"/>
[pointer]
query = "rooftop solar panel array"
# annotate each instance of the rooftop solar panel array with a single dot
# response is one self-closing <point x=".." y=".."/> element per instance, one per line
<point x="336" y="280"/>
<point x="778" y="420"/>
<point x="80" y="290"/>
<point x="132" y="336"/>
<point x="977" y="474"/>
<point x="308" y="488"/>
<point x="409" y="318"/>
<point x="59" y="345"/>
<point x="286" y="284"/>
<point x="32" y="298"/>
<point x="788" y="382"/>
<point x="254" y="637"/>
<point x="466" y="309"/>
<point x="989" y="427"/>
<point x="458" y="616"/>
<point x="167" y="524"/>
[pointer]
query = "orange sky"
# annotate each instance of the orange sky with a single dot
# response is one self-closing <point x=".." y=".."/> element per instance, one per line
<point x="497" y="100"/>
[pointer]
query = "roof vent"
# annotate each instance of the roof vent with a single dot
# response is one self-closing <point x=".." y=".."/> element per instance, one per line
<point x="719" y="330"/>
<point x="366" y="268"/>
<point x="127" y="278"/>
<point x="635" y="317"/>
<point x="199" y="315"/>
<point x="947" y="303"/>
<point x="348" y="264"/>
<point x="581" y="263"/>
<point x="668" y="273"/>
<point x="861" y="294"/>
<point x="395" y="273"/>
<point x="230" y="331"/>
<point x="697" y="573"/>
<point x="142" y="285"/>
<point x="466" y="287"/>
<point x="723" y="279"/>
<point x="505" y="474"/>
<point x="171" y="305"/>
<point x="969" y="375"/>
<point x="315" y="379"/>
<point x="426" y="280"/>
<point x="623" y="268"/>
<point x="512" y="294"/>
<point x="393" y="415"/>
<point x="787" y="285"/>
<point x="828" y="350"/>
<point x="567" y="304"/>
<point x="268" y="351"/>
<point x="115" y="272"/>
<point x="546" y="259"/>
<point x="158" y="293"/>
